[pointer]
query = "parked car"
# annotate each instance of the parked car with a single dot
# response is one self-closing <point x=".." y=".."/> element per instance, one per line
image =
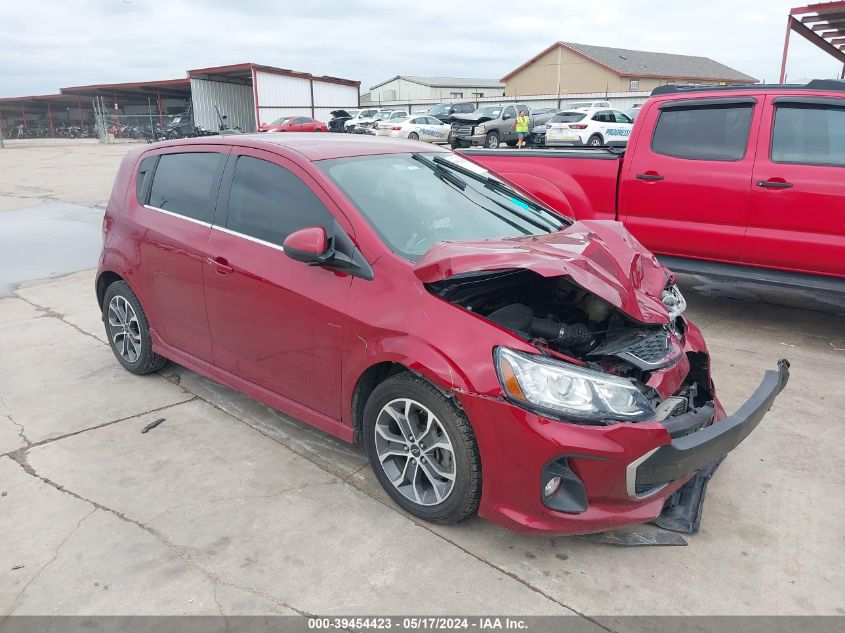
<point x="297" y="124"/>
<point x="491" y="125"/>
<point x="547" y="357"/>
<point x="446" y="111"/>
<point x="369" y="126"/>
<point x="339" y="118"/>
<point x="735" y="182"/>
<point x="587" y="105"/>
<point x="416" y="128"/>
<point x="593" y="127"/>
<point x="364" y="115"/>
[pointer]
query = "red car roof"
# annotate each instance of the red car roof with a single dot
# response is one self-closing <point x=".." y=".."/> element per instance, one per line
<point x="316" y="146"/>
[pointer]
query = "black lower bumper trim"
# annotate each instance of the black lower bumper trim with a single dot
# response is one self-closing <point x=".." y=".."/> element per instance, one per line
<point x="689" y="453"/>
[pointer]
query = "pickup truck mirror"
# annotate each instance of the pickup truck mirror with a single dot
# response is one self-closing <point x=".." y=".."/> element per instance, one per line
<point x="507" y="116"/>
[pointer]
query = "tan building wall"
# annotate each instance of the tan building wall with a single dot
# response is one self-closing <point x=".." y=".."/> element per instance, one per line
<point x="563" y="71"/>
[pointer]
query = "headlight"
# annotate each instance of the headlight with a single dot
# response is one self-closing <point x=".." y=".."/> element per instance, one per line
<point x="481" y="129"/>
<point x="569" y="391"/>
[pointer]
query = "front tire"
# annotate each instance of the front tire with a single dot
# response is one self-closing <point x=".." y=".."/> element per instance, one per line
<point x="492" y="140"/>
<point x="422" y="450"/>
<point x="128" y="330"/>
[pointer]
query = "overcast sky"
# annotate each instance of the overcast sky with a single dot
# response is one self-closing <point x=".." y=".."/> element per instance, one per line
<point x="48" y="44"/>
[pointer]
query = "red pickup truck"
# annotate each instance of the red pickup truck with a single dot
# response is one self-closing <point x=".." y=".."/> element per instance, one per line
<point x="739" y="182"/>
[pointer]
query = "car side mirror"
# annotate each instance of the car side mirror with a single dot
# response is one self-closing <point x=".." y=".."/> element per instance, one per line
<point x="506" y="116"/>
<point x="309" y="245"/>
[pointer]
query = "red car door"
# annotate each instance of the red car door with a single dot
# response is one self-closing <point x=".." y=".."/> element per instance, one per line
<point x="274" y="321"/>
<point x="685" y="190"/>
<point x="174" y="210"/>
<point x="797" y="217"/>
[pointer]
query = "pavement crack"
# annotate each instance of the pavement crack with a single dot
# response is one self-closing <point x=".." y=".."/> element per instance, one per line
<point x="46" y="565"/>
<point x="97" y="427"/>
<point x="52" y="314"/>
<point x="20" y="457"/>
<point x="21" y="430"/>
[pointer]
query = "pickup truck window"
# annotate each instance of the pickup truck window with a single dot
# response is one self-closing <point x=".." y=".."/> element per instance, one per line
<point x="718" y="132"/>
<point x="809" y="134"/>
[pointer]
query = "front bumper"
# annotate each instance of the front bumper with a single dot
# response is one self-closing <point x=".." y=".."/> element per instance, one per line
<point x="628" y="470"/>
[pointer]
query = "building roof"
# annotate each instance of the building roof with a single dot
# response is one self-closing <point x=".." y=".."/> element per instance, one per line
<point x="632" y="63"/>
<point x="445" y="82"/>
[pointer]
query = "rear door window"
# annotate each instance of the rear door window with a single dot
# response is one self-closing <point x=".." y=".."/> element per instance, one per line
<point x="710" y="132"/>
<point x="810" y="134"/>
<point x="185" y="184"/>
<point x="268" y="202"/>
<point x="145" y="171"/>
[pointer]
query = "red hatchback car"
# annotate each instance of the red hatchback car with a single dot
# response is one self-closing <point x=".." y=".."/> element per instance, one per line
<point x="294" y="124"/>
<point x="490" y="354"/>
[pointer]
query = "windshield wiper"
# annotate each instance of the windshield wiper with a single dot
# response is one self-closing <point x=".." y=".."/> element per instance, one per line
<point x="539" y="220"/>
<point x="459" y="182"/>
<point x="501" y="187"/>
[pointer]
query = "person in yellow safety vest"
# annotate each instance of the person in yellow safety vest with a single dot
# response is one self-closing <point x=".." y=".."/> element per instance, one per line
<point x="522" y="125"/>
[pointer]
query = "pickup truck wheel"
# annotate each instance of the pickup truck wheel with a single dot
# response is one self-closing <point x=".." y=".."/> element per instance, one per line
<point x="422" y="449"/>
<point x="595" y="141"/>
<point x="454" y="144"/>
<point x="492" y="140"/>
<point x="511" y="143"/>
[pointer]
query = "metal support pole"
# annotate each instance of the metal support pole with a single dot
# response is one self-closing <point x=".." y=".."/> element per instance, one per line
<point x="158" y="103"/>
<point x="23" y="115"/>
<point x="150" y="111"/>
<point x="50" y="119"/>
<point x="79" y="106"/>
<point x="785" y="49"/>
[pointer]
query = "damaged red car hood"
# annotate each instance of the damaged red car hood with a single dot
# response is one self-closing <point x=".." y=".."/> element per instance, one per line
<point x="600" y="256"/>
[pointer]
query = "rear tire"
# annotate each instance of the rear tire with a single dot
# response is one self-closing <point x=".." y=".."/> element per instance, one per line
<point x="595" y="141"/>
<point x="422" y="450"/>
<point x="128" y="330"/>
<point x="511" y="143"/>
<point x="413" y="136"/>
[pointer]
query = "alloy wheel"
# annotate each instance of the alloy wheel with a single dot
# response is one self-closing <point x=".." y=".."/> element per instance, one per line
<point x="415" y="451"/>
<point x="124" y="329"/>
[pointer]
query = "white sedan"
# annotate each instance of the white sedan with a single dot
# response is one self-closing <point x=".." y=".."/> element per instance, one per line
<point x="594" y="127"/>
<point x="417" y="127"/>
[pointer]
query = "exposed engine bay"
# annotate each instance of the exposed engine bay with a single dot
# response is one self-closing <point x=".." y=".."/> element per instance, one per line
<point x="567" y="322"/>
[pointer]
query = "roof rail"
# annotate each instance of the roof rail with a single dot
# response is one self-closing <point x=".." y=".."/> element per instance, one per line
<point x="837" y="85"/>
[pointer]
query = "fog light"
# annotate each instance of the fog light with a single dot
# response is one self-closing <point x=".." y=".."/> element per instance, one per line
<point x="551" y="486"/>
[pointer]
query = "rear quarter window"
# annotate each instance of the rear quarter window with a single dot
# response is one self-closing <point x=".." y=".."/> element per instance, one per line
<point x="145" y="170"/>
<point x="184" y="183"/>
<point x="717" y="132"/>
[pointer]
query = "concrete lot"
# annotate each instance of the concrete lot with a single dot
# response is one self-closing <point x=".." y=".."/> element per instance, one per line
<point x="229" y="507"/>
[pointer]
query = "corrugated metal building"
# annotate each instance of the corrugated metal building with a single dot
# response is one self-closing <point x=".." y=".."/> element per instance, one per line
<point x="245" y="94"/>
<point x="415" y="87"/>
<point x="249" y="95"/>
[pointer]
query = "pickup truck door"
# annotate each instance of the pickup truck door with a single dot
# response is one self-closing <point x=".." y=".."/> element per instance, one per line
<point x="686" y="182"/>
<point x="797" y="215"/>
<point x="508" y="117"/>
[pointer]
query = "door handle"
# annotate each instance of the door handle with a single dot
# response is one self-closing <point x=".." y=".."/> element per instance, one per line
<point x="774" y="184"/>
<point x="649" y="176"/>
<point x="221" y="266"/>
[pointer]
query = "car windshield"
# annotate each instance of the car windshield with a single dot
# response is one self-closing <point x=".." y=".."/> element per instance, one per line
<point x="489" y="111"/>
<point x="414" y="202"/>
<point x="281" y="120"/>
<point x="440" y="108"/>
<point x="568" y="117"/>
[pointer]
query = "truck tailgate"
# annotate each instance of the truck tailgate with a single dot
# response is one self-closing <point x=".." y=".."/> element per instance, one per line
<point x="579" y="183"/>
